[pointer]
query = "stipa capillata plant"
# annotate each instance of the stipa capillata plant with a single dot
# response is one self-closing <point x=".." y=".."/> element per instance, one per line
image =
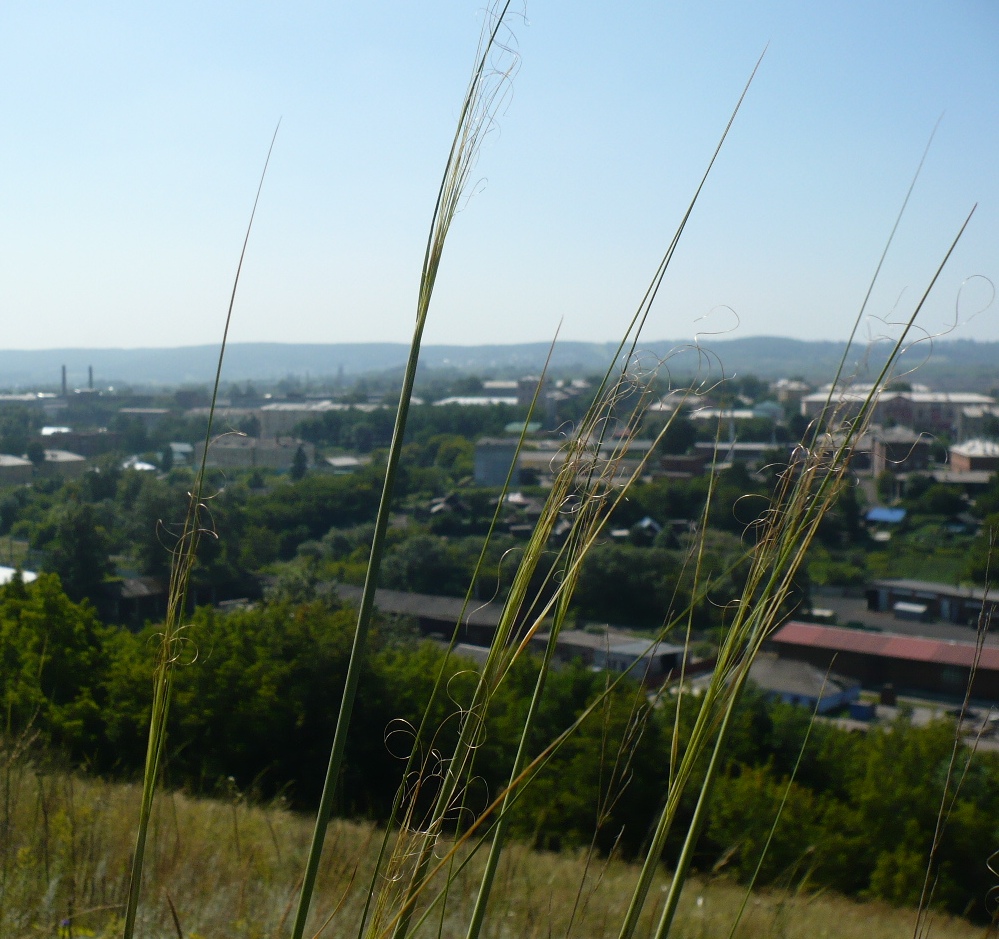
<point x="436" y="827"/>
<point x="184" y="555"/>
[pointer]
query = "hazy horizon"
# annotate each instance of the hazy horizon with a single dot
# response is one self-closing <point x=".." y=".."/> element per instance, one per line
<point x="958" y="365"/>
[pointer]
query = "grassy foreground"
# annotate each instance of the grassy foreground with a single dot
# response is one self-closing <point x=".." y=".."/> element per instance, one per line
<point x="223" y="868"/>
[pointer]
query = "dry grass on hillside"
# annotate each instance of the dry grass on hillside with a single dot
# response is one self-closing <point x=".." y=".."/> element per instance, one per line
<point x="232" y="870"/>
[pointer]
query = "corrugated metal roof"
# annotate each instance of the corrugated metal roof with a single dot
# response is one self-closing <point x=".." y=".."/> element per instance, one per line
<point x="427" y="605"/>
<point x="643" y="647"/>
<point x="928" y="588"/>
<point x="886" y="645"/>
<point x="796" y="678"/>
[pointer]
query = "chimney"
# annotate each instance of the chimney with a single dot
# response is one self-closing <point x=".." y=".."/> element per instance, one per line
<point x="64" y="381"/>
<point x="90" y="377"/>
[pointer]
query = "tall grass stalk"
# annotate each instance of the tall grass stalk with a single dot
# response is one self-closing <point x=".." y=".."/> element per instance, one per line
<point x="184" y="554"/>
<point x="807" y="490"/>
<point x="595" y="499"/>
<point x="424" y="852"/>
<point x="780" y="811"/>
<point x="482" y="98"/>
<point x="404" y="801"/>
<point x="592" y="488"/>
<point x="952" y="788"/>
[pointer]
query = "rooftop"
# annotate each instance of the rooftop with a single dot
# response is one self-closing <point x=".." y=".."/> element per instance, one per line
<point x="977" y="447"/>
<point x="772" y="673"/>
<point x="427" y="605"/>
<point x="887" y="645"/>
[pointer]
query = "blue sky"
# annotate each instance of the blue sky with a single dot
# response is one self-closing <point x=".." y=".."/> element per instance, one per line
<point x="134" y="135"/>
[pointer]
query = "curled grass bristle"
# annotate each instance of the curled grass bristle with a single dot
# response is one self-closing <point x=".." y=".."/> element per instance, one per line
<point x="434" y="834"/>
<point x="183" y="558"/>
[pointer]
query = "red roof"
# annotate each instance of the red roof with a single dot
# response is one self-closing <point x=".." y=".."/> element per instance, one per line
<point x="886" y="645"/>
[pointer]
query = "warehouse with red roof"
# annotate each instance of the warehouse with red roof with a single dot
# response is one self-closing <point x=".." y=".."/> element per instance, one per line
<point x="911" y="664"/>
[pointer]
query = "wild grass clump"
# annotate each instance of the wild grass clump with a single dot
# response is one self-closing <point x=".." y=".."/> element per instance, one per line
<point x="442" y="864"/>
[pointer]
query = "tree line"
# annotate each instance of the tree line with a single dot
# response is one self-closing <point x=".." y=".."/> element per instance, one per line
<point x="256" y="694"/>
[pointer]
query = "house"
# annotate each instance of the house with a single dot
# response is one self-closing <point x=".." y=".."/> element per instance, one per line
<point x="63" y="464"/>
<point x="182" y="453"/>
<point x="800" y="683"/>
<point x="899" y="450"/>
<point x="910" y="664"/>
<point x="652" y="662"/>
<point x="722" y="452"/>
<point x="345" y="464"/>
<point x="15" y="470"/>
<point x="970" y="482"/>
<point x="132" y="601"/>
<point x="685" y="466"/>
<point x="435" y="615"/>
<point x="975" y="455"/>
<point x="580" y="645"/>
<point x="7" y="575"/>
<point x="790" y="391"/>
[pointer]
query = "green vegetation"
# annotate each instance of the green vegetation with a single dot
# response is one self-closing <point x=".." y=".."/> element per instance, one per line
<point x="298" y="697"/>
<point x="252" y="714"/>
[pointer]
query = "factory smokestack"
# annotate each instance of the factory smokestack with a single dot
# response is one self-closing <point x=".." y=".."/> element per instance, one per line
<point x="64" y="381"/>
<point x="90" y="377"/>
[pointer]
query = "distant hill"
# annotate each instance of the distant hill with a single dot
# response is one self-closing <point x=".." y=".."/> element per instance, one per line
<point x="952" y="364"/>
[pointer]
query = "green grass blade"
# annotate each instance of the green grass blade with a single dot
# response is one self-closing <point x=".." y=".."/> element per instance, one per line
<point x="184" y="557"/>
<point x="477" y="109"/>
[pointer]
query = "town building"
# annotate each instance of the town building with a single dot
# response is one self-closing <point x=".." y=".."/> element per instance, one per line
<point x="650" y="662"/>
<point x="912" y="665"/>
<point x="494" y="458"/>
<point x="87" y="443"/>
<point x="279" y="418"/>
<point x="751" y="452"/>
<point x="149" y="417"/>
<point x="956" y="604"/>
<point x="898" y="450"/>
<point x="975" y="455"/>
<point x="15" y="470"/>
<point x="802" y="684"/>
<point x="933" y="412"/>
<point x="237" y="451"/>
<point x="476" y="622"/>
<point x="63" y="464"/>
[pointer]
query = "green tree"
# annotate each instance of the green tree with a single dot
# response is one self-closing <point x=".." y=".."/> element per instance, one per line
<point x="50" y="664"/>
<point x="745" y="806"/>
<point x="15" y="431"/>
<point x="79" y="551"/>
<point x="424" y="564"/>
<point x="35" y="451"/>
<point x="299" y="464"/>
<point x="154" y="513"/>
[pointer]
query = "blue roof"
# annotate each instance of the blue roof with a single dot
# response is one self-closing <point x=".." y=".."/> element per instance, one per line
<point x="889" y="516"/>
